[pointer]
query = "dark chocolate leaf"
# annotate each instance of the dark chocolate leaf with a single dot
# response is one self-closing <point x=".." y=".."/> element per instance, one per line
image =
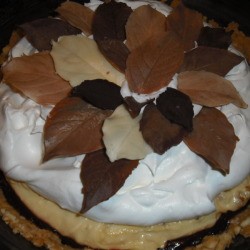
<point x="218" y="61"/>
<point x="73" y="127"/>
<point x="100" y="93"/>
<point x="109" y="21"/>
<point x="213" y="138"/>
<point x="159" y="132"/>
<point x="77" y="15"/>
<point x="115" y="51"/>
<point x="133" y="106"/>
<point x="214" y="37"/>
<point x="152" y="65"/>
<point x="102" y="179"/>
<point x="41" y="32"/>
<point x="186" y="23"/>
<point x="176" y="107"/>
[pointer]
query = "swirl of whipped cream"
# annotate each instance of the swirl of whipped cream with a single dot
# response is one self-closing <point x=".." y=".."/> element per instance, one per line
<point x="157" y="190"/>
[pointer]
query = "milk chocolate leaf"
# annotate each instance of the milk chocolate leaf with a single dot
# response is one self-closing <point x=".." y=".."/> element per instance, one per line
<point x="214" y="37"/>
<point x="41" y="32"/>
<point x="122" y="137"/>
<point x="77" y="15"/>
<point x="73" y="127"/>
<point x="102" y="179"/>
<point x="209" y="89"/>
<point x="100" y="93"/>
<point x="176" y="107"/>
<point x="152" y="65"/>
<point x="109" y="21"/>
<point x="133" y="106"/>
<point x="159" y="132"/>
<point x="35" y="77"/>
<point x="142" y="24"/>
<point x="77" y="58"/>
<point x="213" y="138"/>
<point x="218" y="61"/>
<point x="116" y="52"/>
<point x="186" y="23"/>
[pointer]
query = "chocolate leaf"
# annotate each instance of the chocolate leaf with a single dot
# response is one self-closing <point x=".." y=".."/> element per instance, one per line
<point x="77" y="58"/>
<point x="109" y="21"/>
<point x="100" y="93"/>
<point x="213" y="138"/>
<point x="116" y="52"/>
<point x="209" y="89"/>
<point x="159" y="132"/>
<point x="176" y="107"/>
<point x="102" y="179"/>
<point x="218" y="61"/>
<point x="73" y="127"/>
<point x="214" y="37"/>
<point x="144" y="23"/>
<point x="41" y="32"/>
<point x="152" y="65"/>
<point x="122" y="137"/>
<point x="133" y="106"/>
<point x="186" y="23"/>
<point x="77" y="15"/>
<point x="35" y="77"/>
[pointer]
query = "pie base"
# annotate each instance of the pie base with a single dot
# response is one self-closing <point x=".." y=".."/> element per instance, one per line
<point x="110" y="236"/>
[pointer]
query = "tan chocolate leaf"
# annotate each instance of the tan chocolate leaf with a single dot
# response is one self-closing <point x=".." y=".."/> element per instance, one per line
<point x="218" y="61"/>
<point x="77" y="58"/>
<point x="213" y="138"/>
<point x="77" y="15"/>
<point x="122" y="137"/>
<point x="209" y="89"/>
<point x="152" y="65"/>
<point x="142" y="24"/>
<point x="35" y="77"/>
<point x="73" y="127"/>
<point x="101" y="178"/>
<point x="186" y="23"/>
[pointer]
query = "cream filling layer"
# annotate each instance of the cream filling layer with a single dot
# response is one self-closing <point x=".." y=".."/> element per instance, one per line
<point x="158" y="188"/>
<point x="110" y="236"/>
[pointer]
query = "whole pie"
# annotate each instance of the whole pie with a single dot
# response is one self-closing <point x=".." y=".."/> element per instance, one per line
<point x="125" y="125"/>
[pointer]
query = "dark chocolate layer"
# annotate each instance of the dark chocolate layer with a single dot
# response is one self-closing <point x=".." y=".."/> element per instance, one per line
<point x="195" y="239"/>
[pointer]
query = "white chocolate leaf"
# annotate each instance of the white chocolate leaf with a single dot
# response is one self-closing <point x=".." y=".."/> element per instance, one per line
<point x="77" y="58"/>
<point x="122" y="136"/>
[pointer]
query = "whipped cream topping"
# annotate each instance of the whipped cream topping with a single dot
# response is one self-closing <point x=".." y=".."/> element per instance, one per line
<point x="157" y="190"/>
